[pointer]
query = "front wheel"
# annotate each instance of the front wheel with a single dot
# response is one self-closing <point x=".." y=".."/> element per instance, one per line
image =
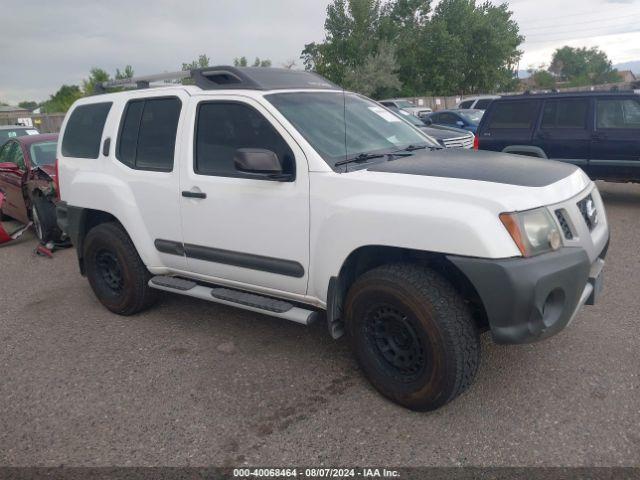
<point x="115" y="271"/>
<point x="412" y="335"/>
<point x="43" y="215"/>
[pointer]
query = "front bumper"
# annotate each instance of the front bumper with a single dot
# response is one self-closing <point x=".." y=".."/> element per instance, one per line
<point x="530" y="299"/>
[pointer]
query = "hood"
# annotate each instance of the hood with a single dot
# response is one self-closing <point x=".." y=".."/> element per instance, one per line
<point x="481" y="165"/>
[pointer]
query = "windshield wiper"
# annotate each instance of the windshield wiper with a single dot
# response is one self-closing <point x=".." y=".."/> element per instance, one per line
<point x="363" y="157"/>
<point x="413" y="148"/>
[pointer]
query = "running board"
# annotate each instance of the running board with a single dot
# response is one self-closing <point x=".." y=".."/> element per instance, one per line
<point x="235" y="298"/>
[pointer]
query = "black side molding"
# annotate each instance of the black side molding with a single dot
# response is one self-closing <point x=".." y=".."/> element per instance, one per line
<point x="170" y="247"/>
<point x="279" y="266"/>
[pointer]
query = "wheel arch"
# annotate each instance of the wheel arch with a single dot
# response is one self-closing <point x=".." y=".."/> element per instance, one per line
<point x="85" y="220"/>
<point x="526" y="150"/>
<point x="368" y="257"/>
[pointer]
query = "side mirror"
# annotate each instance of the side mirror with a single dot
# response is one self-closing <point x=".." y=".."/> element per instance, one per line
<point x="260" y="163"/>
<point x="8" y="167"/>
<point x="460" y="123"/>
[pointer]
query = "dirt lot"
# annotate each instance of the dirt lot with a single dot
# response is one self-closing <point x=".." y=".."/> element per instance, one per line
<point x="195" y="383"/>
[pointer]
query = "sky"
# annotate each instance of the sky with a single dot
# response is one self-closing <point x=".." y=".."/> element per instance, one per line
<point x="45" y="43"/>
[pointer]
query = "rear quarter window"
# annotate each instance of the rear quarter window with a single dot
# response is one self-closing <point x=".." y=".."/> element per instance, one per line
<point x="513" y="115"/>
<point x="83" y="131"/>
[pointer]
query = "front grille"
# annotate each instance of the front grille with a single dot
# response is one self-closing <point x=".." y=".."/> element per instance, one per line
<point x="561" y="215"/>
<point x="588" y="211"/>
<point x="459" y="142"/>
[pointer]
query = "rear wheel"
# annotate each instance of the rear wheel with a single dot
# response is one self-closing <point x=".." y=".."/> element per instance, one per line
<point x="115" y="271"/>
<point x="413" y="335"/>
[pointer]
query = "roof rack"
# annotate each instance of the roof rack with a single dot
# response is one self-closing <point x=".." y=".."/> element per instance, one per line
<point x="226" y="77"/>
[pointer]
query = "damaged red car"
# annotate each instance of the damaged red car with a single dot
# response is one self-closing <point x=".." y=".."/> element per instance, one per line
<point x="28" y="184"/>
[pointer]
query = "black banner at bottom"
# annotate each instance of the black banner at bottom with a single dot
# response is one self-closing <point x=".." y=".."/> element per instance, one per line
<point x="398" y="473"/>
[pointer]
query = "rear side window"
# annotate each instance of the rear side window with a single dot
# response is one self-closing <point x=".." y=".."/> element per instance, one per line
<point x="222" y="128"/>
<point x="466" y="104"/>
<point x="618" y="113"/>
<point x="513" y="115"/>
<point x="148" y="129"/>
<point x="567" y="113"/>
<point x="83" y="132"/>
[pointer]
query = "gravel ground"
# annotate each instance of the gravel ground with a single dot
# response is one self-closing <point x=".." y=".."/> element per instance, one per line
<point x="195" y="383"/>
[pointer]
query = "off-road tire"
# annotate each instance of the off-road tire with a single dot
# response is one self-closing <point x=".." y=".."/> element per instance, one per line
<point x="109" y="241"/>
<point x="439" y="351"/>
<point x="43" y="215"/>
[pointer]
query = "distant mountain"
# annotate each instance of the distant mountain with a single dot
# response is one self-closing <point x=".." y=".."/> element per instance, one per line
<point x="633" y="66"/>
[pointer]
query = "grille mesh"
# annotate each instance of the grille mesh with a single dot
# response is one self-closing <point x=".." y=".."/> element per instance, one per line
<point x="590" y="220"/>
<point x="566" y="229"/>
<point x="459" y="142"/>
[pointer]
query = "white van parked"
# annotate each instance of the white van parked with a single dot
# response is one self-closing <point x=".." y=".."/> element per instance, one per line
<point x="277" y="192"/>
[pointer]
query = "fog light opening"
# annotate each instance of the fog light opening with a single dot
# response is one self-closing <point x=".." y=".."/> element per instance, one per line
<point x="553" y="307"/>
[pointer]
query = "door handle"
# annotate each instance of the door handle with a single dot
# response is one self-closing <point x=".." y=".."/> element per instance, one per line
<point x="106" y="146"/>
<point x="191" y="194"/>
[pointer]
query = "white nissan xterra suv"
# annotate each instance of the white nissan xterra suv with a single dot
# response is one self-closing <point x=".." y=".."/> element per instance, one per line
<point x="277" y="192"/>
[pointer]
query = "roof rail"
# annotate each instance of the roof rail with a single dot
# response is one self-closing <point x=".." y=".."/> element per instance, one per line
<point x="227" y="77"/>
<point x="141" y="82"/>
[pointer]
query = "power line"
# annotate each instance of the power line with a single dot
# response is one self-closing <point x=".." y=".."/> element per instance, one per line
<point x="600" y="20"/>
<point x="582" y="36"/>
<point x="570" y="16"/>
<point x="593" y="30"/>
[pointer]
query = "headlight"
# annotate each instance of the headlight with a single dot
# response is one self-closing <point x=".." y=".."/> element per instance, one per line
<point x="533" y="231"/>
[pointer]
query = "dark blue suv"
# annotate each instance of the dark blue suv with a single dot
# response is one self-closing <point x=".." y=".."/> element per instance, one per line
<point x="600" y="131"/>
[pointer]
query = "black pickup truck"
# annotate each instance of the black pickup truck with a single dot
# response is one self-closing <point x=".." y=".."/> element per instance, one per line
<point x="598" y="131"/>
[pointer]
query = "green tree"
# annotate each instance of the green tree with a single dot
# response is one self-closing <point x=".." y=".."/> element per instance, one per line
<point x="96" y="76"/>
<point x="240" y="62"/>
<point x="470" y="48"/>
<point x="60" y="101"/>
<point x="28" y="105"/>
<point x="543" y="78"/>
<point x="351" y="29"/>
<point x="460" y="47"/>
<point x="201" y="62"/>
<point x="376" y="77"/>
<point x="243" y="62"/>
<point x="583" y="66"/>
<point x="262" y="63"/>
<point x="126" y="73"/>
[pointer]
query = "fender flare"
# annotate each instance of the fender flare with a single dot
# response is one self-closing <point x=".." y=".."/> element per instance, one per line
<point x="528" y="150"/>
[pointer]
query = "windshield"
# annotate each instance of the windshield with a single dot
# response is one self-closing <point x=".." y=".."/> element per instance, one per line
<point x="472" y="117"/>
<point x="412" y="119"/>
<point x="6" y="134"/>
<point x="43" y="153"/>
<point x="344" y="126"/>
<point x="404" y="104"/>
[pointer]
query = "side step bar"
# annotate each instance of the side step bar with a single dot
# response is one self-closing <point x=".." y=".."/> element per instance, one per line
<point x="235" y="298"/>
